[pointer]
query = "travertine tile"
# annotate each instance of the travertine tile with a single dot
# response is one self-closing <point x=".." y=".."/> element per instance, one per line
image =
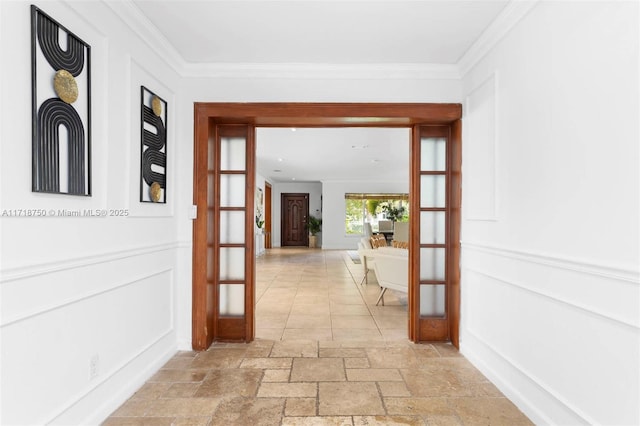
<point x="317" y="421"/>
<point x="324" y="355"/>
<point x="307" y="333"/>
<point x="349" y="398"/>
<point x="309" y="321"/>
<point x="269" y="333"/>
<point x="353" y="321"/>
<point x="249" y="411"/>
<point x="183" y="407"/>
<point x="191" y="421"/>
<point x="295" y="348"/>
<point x="399" y="357"/>
<point x="266" y="363"/>
<point x="342" y="353"/>
<point x="435" y="383"/>
<point x="152" y="390"/>
<point x="356" y="334"/>
<point x="341" y="309"/>
<point x="393" y="389"/>
<point x="388" y="421"/>
<point x="219" y="358"/>
<point x="181" y="390"/>
<point x="276" y="375"/>
<point x="301" y="407"/>
<point x="374" y="375"/>
<point x="356" y="363"/>
<point x="230" y="382"/>
<point x="178" y="376"/>
<point x="492" y="411"/>
<point x="318" y="370"/>
<point x="418" y="406"/>
<point x="288" y="390"/>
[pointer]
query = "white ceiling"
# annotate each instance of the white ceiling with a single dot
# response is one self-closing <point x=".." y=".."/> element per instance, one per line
<point x="324" y="32"/>
<point x="321" y="33"/>
<point x="339" y="154"/>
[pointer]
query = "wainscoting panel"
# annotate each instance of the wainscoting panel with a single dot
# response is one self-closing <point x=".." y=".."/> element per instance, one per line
<point x="109" y="312"/>
<point x="561" y="336"/>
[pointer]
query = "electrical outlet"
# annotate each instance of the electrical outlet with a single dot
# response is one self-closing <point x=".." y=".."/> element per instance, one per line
<point x="94" y="365"/>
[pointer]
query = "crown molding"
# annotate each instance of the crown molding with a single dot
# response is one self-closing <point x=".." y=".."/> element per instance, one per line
<point x="324" y="71"/>
<point x="513" y="12"/>
<point x="133" y="17"/>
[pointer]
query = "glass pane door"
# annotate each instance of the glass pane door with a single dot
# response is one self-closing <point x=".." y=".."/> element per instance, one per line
<point x="431" y="187"/>
<point x="230" y="212"/>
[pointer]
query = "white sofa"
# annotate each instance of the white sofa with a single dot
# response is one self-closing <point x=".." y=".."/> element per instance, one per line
<point x="391" y="267"/>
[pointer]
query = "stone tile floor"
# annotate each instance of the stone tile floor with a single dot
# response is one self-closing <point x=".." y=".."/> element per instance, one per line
<point x="324" y="355"/>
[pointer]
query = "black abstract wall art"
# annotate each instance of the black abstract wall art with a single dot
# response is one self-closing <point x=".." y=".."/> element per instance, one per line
<point x="61" y="108"/>
<point x="153" y="155"/>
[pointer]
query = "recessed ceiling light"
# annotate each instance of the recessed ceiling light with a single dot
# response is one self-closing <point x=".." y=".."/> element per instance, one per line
<point x="280" y="160"/>
<point x="293" y="129"/>
<point x="293" y="178"/>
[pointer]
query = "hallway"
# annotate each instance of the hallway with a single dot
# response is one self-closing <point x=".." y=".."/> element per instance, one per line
<point x="324" y="355"/>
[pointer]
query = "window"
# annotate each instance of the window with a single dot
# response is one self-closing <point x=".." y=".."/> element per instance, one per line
<point x="371" y="208"/>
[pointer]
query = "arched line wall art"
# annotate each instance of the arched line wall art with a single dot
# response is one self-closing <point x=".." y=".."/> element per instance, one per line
<point x="153" y="151"/>
<point x="61" y="108"/>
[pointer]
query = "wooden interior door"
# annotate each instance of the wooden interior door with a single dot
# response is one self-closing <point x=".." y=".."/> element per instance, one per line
<point x="435" y="237"/>
<point x="294" y="211"/>
<point x="224" y="235"/>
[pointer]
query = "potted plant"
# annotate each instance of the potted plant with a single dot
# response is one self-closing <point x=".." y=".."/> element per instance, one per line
<point x="393" y="213"/>
<point x="314" y="225"/>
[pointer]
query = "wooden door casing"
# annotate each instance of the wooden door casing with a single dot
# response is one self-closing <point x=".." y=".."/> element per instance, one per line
<point x="296" y="114"/>
<point x="294" y="211"/>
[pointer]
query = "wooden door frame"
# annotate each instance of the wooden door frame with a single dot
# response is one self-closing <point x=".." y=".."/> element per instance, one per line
<point x="406" y="115"/>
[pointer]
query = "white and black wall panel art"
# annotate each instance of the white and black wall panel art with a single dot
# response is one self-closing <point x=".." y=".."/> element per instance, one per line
<point x="61" y="108"/>
<point x="153" y="155"/>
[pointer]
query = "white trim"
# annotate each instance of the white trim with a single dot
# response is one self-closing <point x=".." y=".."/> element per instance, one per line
<point x="578" y="306"/>
<point x="323" y="71"/>
<point x="504" y="22"/>
<point x="39" y="310"/>
<point x="507" y="386"/>
<point x="133" y="17"/>
<point x="36" y="269"/>
<point x="614" y="272"/>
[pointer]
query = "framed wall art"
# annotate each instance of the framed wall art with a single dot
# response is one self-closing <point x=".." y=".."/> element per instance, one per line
<point x="153" y="154"/>
<point x="61" y="108"/>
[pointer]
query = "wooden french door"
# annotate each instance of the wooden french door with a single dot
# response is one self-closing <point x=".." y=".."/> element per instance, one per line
<point x="224" y="293"/>
<point x="294" y="209"/>
<point x="435" y="237"/>
<point x="223" y="234"/>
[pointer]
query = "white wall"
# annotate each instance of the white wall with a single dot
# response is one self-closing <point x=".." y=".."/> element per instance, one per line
<point x="74" y="288"/>
<point x="334" y="209"/>
<point x="550" y="292"/>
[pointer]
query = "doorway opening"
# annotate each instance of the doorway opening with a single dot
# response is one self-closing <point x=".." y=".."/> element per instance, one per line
<point x="223" y="128"/>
